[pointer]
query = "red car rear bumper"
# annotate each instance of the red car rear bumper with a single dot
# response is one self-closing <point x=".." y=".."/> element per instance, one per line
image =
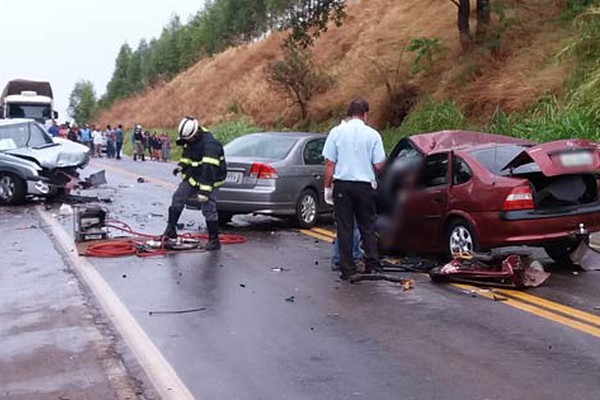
<point x="530" y="227"/>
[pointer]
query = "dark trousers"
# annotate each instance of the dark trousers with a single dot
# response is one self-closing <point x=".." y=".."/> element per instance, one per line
<point x="183" y="193"/>
<point x="355" y="200"/>
<point x="119" y="147"/>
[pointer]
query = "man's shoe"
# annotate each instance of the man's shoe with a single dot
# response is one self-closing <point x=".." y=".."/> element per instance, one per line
<point x="213" y="236"/>
<point x="335" y="267"/>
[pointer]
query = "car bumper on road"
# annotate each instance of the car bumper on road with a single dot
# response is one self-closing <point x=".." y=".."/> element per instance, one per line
<point x="508" y="230"/>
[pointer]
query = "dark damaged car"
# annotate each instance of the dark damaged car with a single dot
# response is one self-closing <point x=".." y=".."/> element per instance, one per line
<point x="33" y="164"/>
<point x="455" y="191"/>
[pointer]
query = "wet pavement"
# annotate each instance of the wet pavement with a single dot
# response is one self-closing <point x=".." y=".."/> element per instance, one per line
<point x="54" y="343"/>
<point x="274" y="322"/>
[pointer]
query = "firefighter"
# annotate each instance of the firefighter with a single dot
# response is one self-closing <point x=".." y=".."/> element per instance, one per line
<point x="203" y="170"/>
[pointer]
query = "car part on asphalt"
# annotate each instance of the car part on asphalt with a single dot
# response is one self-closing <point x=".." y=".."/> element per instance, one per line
<point x="586" y="257"/>
<point x="89" y="223"/>
<point x="405" y="283"/>
<point x="496" y="269"/>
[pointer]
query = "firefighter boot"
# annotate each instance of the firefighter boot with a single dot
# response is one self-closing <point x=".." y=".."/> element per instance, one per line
<point x="213" y="236"/>
<point x="171" y="230"/>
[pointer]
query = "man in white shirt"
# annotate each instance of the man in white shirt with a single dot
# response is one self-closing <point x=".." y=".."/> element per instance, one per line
<point x="97" y="140"/>
<point x="354" y="155"/>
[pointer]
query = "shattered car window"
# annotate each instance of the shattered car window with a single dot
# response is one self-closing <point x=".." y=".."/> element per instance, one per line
<point x="461" y="173"/>
<point x="23" y="135"/>
<point x="496" y="158"/>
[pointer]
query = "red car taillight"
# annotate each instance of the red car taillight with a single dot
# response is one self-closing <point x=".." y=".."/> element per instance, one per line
<point x="262" y="171"/>
<point x="521" y="198"/>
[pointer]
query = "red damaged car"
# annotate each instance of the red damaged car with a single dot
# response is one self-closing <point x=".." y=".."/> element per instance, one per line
<point x="472" y="191"/>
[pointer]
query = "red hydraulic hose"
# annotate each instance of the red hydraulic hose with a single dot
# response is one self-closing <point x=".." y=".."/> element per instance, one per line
<point x="123" y="248"/>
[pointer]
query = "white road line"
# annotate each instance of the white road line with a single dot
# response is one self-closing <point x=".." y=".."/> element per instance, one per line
<point x="162" y="375"/>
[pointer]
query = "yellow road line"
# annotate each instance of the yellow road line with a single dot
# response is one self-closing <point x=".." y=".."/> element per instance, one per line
<point x="324" y="232"/>
<point x="124" y="172"/>
<point x="540" y="312"/>
<point x="316" y="235"/>
<point x="568" y="311"/>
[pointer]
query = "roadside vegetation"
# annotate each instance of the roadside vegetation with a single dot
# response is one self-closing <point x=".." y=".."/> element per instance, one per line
<point x="531" y="71"/>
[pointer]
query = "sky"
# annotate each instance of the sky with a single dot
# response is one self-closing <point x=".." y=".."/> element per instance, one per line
<point x="64" y="41"/>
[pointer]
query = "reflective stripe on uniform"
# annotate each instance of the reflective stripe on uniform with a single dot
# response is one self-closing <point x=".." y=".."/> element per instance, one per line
<point x="187" y="161"/>
<point x="219" y="184"/>
<point x="199" y="186"/>
<point x="210" y="160"/>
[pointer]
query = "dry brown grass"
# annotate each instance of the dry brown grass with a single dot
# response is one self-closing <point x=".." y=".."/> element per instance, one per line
<point x="376" y="29"/>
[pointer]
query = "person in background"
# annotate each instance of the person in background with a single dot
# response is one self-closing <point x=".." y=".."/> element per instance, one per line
<point x="97" y="140"/>
<point x="110" y="142"/>
<point x="147" y="144"/>
<point x="354" y="155"/>
<point x="156" y="147"/>
<point x="53" y="130"/>
<point x="138" y="140"/>
<point x="119" y="140"/>
<point x="63" y="130"/>
<point x="166" y="147"/>
<point x="357" y="254"/>
<point x="86" y="137"/>
<point x="73" y="134"/>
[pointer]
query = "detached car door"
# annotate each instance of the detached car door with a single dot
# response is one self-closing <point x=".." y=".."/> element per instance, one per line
<point x="426" y="206"/>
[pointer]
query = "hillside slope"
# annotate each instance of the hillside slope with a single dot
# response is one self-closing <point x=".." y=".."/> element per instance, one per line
<point x="514" y="78"/>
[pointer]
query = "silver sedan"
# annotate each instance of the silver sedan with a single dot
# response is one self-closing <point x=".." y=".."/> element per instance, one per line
<point x="274" y="173"/>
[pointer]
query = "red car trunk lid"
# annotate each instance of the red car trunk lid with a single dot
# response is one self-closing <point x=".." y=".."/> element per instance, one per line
<point x="561" y="157"/>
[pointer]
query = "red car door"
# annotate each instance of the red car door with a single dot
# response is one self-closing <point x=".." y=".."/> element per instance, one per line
<point x="426" y="206"/>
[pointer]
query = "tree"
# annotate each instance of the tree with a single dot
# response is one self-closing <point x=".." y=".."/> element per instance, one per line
<point x="119" y="86"/>
<point x="308" y="19"/>
<point x="82" y="102"/>
<point x="464" y="23"/>
<point x="297" y="77"/>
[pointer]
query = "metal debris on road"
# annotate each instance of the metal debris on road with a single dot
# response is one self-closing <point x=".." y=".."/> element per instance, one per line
<point x="242" y="285"/>
<point x="291" y="299"/>
<point x="175" y="312"/>
<point x="141" y="180"/>
<point x="405" y="283"/>
<point x="499" y="268"/>
<point x="279" y="269"/>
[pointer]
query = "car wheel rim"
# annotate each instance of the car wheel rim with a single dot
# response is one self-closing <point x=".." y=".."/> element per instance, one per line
<point x="7" y="188"/>
<point x="461" y="240"/>
<point x="308" y="209"/>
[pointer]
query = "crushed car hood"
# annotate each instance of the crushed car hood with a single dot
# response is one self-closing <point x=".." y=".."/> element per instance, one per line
<point x="561" y="157"/>
<point x="447" y="140"/>
<point x="58" y="155"/>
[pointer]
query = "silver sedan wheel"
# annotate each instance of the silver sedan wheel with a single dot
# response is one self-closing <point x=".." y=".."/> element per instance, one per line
<point x="308" y="209"/>
<point x="461" y="240"/>
<point x="7" y="188"/>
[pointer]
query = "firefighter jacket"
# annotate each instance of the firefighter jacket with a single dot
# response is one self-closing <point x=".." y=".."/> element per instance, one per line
<point x="203" y="164"/>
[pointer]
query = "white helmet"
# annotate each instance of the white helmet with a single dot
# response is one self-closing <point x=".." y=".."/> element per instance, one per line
<point x="188" y="128"/>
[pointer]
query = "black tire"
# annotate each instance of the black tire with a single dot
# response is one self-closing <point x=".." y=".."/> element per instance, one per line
<point x="225" y="217"/>
<point x="560" y="252"/>
<point x="12" y="189"/>
<point x="460" y="237"/>
<point x="307" y="209"/>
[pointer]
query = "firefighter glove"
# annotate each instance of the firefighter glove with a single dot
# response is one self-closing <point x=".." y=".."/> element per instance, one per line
<point x="202" y="198"/>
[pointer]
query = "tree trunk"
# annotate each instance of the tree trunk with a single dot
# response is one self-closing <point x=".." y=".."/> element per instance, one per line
<point x="483" y="20"/>
<point x="464" y="28"/>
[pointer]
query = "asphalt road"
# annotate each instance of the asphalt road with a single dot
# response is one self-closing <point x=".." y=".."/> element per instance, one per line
<point x="334" y="340"/>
